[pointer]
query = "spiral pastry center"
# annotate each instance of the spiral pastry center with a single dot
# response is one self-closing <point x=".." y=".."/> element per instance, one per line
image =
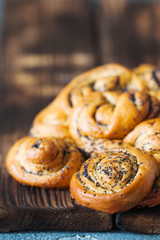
<point x="41" y="151"/>
<point x="40" y="156"/>
<point x="109" y="172"/>
<point x="116" y="171"/>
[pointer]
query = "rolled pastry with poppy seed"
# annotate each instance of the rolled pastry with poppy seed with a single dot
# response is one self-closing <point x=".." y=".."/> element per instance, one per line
<point x="106" y="81"/>
<point x="99" y="145"/>
<point x="115" y="180"/>
<point x="153" y="197"/>
<point x="106" y="78"/>
<point x="146" y="136"/>
<point x="51" y="122"/>
<point x="148" y="78"/>
<point x="43" y="162"/>
<point x="103" y="119"/>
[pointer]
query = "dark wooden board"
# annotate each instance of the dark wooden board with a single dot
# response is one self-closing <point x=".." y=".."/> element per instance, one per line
<point x="38" y="209"/>
<point x="129" y="33"/>
<point x="44" y="45"/>
<point x="145" y="220"/>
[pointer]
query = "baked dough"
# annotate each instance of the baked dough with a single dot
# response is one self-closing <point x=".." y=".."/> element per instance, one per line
<point x="101" y="118"/>
<point x="51" y="122"/>
<point x="43" y="162"/>
<point x="146" y="136"/>
<point x="115" y="180"/>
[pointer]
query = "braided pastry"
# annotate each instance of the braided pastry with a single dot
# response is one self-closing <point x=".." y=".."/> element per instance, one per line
<point x="146" y="136"/>
<point x="102" y="119"/>
<point x="115" y="180"/>
<point x="43" y="162"/>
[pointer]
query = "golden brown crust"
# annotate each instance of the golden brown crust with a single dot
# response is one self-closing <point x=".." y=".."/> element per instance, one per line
<point x="115" y="180"/>
<point x="43" y="162"/>
<point x="153" y="197"/>
<point x="106" y="78"/>
<point x="149" y="76"/>
<point x="103" y="119"/>
<point x="104" y="103"/>
<point x="101" y="83"/>
<point x="109" y="77"/>
<point x="99" y="145"/>
<point x="146" y="136"/>
<point x="51" y="122"/>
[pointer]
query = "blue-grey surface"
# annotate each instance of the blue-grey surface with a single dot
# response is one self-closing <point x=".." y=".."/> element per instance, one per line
<point x="77" y="236"/>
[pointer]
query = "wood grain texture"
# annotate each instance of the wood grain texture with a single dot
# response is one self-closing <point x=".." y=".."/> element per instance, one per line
<point x="129" y="31"/>
<point x="145" y="220"/>
<point x="45" y="44"/>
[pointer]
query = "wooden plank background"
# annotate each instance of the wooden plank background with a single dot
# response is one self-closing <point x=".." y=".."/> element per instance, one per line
<point x="44" y="45"/>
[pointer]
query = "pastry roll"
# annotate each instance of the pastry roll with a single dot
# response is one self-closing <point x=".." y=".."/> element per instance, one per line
<point x="109" y="77"/>
<point x="153" y="197"/>
<point x="105" y="84"/>
<point x="43" y="162"/>
<point x="115" y="180"/>
<point x="99" y="145"/>
<point x="51" y="122"/>
<point x="103" y="119"/>
<point x="149" y="76"/>
<point x="146" y="136"/>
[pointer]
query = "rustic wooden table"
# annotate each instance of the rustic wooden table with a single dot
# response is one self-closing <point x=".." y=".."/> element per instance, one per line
<point x="44" y="45"/>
